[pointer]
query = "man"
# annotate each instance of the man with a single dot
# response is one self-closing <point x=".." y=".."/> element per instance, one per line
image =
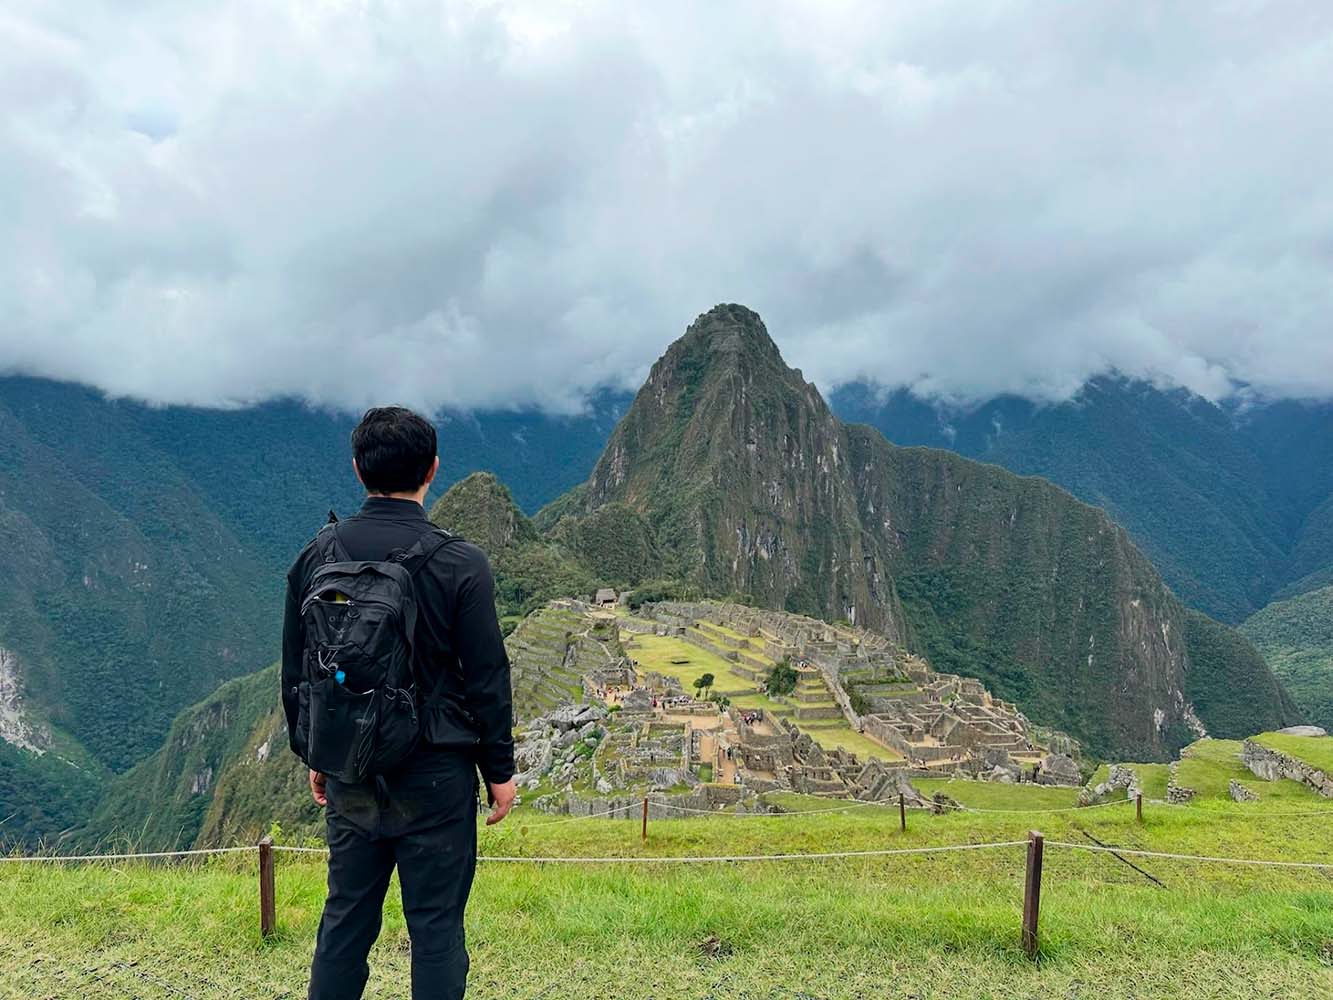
<point x="421" y="815"/>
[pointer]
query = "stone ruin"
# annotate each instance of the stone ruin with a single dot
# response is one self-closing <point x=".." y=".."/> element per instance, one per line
<point x="941" y="724"/>
<point x="600" y="749"/>
<point x="1119" y="777"/>
<point x="637" y="732"/>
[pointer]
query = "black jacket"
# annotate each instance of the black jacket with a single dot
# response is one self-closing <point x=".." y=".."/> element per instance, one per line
<point x="457" y="632"/>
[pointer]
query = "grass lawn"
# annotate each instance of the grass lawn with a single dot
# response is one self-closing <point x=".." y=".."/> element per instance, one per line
<point x="731" y="633"/>
<point x="1209" y="765"/>
<point x="940" y="925"/>
<point x="656" y="652"/>
<point x="1317" y="751"/>
<point x="830" y="733"/>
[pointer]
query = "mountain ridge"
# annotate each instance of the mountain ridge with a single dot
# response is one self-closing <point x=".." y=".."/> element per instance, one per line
<point x="733" y="478"/>
<point x="1233" y="502"/>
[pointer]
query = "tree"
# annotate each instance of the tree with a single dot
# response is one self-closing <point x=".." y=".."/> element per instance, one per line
<point x="781" y="679"/>
<point x="702" y="682"/>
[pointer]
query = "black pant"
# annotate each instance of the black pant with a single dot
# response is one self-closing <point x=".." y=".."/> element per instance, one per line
<point x="423" y="819"/>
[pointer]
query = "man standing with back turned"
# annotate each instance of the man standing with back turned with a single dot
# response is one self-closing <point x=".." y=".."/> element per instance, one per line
<point x="420" y="813"/>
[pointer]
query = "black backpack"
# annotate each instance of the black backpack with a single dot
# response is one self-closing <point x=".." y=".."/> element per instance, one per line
<point x="359" y="704"/>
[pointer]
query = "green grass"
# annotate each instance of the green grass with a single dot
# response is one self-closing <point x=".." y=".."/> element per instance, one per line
<point x="993" y="795"/>
<point x="1317" y="751"/>
<point x="1208" y="767"/>
<point x="943" y="925"/>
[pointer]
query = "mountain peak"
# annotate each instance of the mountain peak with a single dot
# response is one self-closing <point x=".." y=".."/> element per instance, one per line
<point x="482" y="510"/>
<point x="727" y="338"/>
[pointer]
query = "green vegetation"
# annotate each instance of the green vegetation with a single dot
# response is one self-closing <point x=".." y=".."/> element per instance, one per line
<point x="990" y="575"/>
<point x="662" y="590"/>
<point x="703" y="682"/>
<point x="164" y="800"/>
<point x="1229" y="683"/>
<point x="995" y="795"/>
<point x="197" y="514"/>
<point x="40" y="795"/>
<point x="933" y="925"/>
<point x="143" y="551"/>
<point x="1296" y="638"/>
<point x="781" y="679"/>
<point x="528" y="570"/>
<point x="614" y="540"/>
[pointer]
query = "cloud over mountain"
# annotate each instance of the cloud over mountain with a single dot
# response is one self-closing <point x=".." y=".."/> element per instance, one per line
<point x="478" y="204"/>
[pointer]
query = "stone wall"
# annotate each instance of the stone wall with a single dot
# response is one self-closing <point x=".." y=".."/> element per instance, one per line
<point x="1239" y="793"/>
<point x="1177" y="794"/>
<point x="1272" y="765"/>
<point x="829" y="671"/>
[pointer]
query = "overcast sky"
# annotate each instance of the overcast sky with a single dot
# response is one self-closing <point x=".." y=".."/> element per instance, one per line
<point x="481" y="204"/>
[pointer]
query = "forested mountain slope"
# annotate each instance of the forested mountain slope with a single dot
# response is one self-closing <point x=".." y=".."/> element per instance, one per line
<point x="1296" y="637"/>
<point x="1233" y="503"/>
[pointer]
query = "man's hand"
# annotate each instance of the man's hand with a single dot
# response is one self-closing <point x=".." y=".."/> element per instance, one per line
<point x="502" y="800"/>
<point x="317" y="789"/>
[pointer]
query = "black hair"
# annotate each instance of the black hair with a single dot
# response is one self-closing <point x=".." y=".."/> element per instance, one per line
<point x="394" y="449"/>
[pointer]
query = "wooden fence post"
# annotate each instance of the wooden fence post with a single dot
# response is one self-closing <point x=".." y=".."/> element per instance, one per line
<point x="1032" y="894"/>
<point x="268" y="919"/>
<point x="1138" y="806"/>
<point x="902" y="812"/>
<point x="645" y="819"/>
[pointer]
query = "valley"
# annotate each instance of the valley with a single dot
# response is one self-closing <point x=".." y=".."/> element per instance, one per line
<point x="728" y="477"/>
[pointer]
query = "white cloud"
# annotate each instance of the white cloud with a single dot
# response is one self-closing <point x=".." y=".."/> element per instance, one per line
<point x="482" y="204"/>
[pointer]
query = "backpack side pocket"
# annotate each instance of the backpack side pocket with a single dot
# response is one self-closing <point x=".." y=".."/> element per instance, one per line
<point x="301" y="735"/>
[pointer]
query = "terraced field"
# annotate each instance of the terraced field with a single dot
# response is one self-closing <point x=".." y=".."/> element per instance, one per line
<point x="1209" y="766"/>
<point x="675" y="657"/>
<point x="537" y="653"/>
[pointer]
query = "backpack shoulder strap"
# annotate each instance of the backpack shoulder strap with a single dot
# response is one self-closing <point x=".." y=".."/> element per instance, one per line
<point x="424" y="548"/>
<point x="413" y="559"/>
<point x="329" y="545"/>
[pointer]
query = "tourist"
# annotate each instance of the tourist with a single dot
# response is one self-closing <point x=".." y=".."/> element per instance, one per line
<point x="417" y="815"/>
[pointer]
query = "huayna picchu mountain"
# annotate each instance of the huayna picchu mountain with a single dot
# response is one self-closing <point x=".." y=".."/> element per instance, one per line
<point x="730" y="472"/>
<point x="735" y="473"/>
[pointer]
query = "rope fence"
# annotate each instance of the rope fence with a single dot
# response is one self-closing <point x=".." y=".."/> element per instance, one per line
<point x="138" y="856"/>
<point x="631" y="811"/>
<point x="707" y="859"/>
<point x="1035" y="844"/>
<point x="1030" y="812"/>
<point x="1203" y="858"/>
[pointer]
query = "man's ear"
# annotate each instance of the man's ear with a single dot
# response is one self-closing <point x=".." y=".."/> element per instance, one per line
<point x="358" y="472"/>
<point x="434" y="468"/>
